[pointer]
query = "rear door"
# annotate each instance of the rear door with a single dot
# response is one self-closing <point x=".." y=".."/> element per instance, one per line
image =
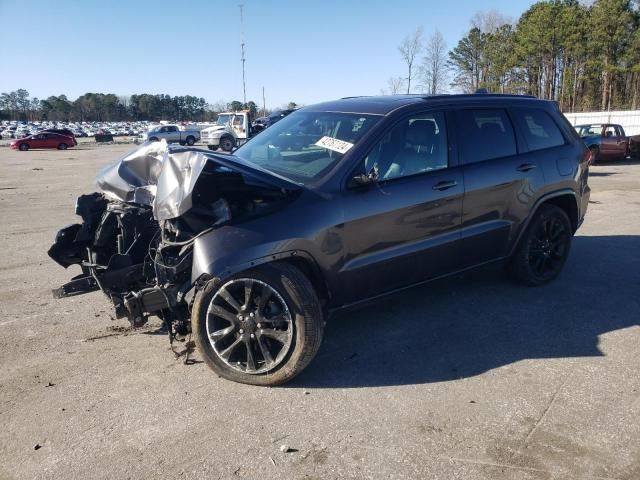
<point x="52" y="140"/>
<point x="38" y="141"/>
<point x="500" y="183"/>
<point x="404" y="229"/>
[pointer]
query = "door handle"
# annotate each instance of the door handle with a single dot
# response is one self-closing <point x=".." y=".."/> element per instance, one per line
<point x="445" y="184"/>
<point x="525" y="167"/>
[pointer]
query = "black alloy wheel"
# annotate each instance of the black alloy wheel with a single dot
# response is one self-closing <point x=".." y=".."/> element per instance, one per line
<point x="543" y="248"/>
<point x="261" y="327"/>
<point x="254" y="334"/>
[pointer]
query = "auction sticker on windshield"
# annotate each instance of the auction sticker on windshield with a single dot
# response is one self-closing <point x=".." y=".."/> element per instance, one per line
<point x="334" y="144"/>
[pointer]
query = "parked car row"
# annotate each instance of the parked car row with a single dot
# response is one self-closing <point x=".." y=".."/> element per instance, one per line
<point x="22" y="129"/>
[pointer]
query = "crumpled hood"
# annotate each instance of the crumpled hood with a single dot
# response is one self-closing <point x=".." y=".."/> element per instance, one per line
<point x="153" y="175"/>
<point x="164" y="177"/>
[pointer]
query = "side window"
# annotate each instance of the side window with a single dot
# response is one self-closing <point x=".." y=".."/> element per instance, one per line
<point x="538" y="128"/>
<point x="484" y="135"/>
<point x="416" y="145"/>
<point x="610" y="131"/>
<point x="172" y="129"/>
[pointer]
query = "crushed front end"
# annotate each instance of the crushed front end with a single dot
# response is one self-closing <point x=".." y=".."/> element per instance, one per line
<point x="136" y="239"/>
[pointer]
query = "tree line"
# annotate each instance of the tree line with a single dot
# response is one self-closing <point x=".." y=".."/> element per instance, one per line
<point x="585" y="57"/>
<point x="101" y="107"/>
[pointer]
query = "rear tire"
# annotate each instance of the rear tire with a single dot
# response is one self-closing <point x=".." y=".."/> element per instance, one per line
<point x="290" y="311"/>
<point x="62" y="146"/>
<point x="543" y="248"/>
<point x="23" y="147"/>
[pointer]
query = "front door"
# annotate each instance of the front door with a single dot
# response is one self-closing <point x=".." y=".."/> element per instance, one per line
<point x="613" y="145"/>
<point x="405" y="228"/>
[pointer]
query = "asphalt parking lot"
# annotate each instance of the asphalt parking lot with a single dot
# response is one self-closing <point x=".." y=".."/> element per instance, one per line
<point x="467" y="378"/>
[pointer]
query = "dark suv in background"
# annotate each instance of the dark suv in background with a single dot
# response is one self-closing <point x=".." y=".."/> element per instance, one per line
<point x="264" y="122"/>
<point x="335" y="205"/>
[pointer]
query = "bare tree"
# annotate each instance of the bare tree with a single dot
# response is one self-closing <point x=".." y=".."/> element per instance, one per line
<point x="410" y="47"/>
<point x="434" y="64"/>
<point x="394" y="86"/>
<point x="489" y="21"/>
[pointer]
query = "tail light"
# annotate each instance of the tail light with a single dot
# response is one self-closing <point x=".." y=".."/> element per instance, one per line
<point x="588" y="156"/>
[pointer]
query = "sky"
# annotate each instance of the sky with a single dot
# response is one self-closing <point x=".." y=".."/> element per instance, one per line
<point x="305" y="51"/>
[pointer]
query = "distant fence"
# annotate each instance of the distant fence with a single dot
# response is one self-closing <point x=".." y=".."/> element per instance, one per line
<point x="630" y="119"/>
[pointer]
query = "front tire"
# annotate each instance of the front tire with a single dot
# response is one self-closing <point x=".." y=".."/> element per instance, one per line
<point x="23" y="147"/>
<point x="62" y="146"/>
<point x="190" y="141"/>
<point x="227" y="143"/>
<point x="260" y="327"/>
<point x="543" y="248"/>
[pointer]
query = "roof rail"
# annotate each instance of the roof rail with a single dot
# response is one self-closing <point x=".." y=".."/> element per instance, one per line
<point x="472" y="95"/>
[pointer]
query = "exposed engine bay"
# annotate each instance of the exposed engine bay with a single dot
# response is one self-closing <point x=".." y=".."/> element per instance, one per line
<point x="135" y="242"/>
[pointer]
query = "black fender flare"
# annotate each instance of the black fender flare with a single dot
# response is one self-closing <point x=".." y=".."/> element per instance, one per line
<point x="227" y="270"/>
<point x="543" y="199"/>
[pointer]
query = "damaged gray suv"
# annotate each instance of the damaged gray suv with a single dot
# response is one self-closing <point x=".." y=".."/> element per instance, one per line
<point x="335" y="205"/>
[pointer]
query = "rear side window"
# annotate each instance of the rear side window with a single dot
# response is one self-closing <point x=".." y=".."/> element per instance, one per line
<point x="538" y="128"/>
<point x="485" y="135"/>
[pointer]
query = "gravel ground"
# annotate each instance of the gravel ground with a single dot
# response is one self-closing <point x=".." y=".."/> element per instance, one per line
<point x="466" y="378"/>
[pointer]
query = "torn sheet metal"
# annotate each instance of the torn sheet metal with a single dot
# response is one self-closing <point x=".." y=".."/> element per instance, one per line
<point x="176" y="183"/>
<point x="154" y="175"/>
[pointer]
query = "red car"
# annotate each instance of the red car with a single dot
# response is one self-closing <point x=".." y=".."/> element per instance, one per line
<point x="44" y="140"/>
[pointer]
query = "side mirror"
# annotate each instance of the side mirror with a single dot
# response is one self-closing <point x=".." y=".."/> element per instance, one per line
<point x="364" y="180"/>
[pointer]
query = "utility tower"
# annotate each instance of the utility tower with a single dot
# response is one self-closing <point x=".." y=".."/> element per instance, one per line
<point x="242" y="59"/>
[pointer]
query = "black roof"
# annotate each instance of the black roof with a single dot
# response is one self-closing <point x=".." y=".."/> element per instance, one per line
<point x="383" y="104"/>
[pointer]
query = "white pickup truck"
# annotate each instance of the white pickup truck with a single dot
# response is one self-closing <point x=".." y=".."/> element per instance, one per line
<point x="172" y="134"/>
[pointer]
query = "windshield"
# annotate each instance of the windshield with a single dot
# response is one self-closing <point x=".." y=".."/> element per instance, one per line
<point x="223" y="119"/>
<point x="305" y="145"/>
<point x="589" y="130"/>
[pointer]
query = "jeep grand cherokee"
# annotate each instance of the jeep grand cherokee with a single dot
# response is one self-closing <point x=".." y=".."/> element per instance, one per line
<point x="335" y="205"/>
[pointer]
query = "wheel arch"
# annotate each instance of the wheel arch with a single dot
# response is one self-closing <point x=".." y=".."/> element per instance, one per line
<point x="565" y="199"/>
<point x="224" y="268"/>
